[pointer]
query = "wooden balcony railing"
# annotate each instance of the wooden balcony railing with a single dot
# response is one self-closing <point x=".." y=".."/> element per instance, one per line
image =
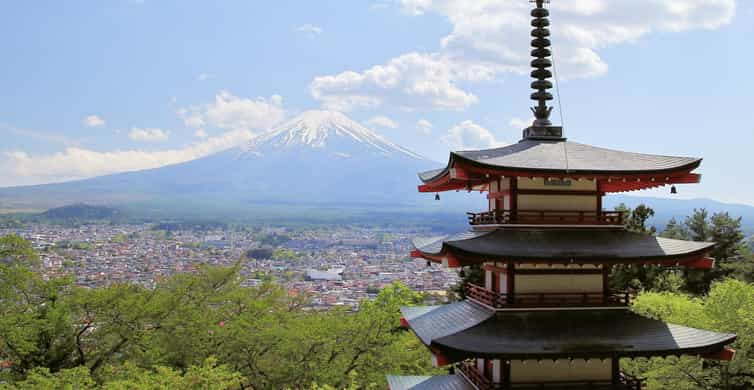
<point x="546" y="217"/>
<point x="543" y="300"/>
<point x="624" y="382"/>
<point x="472" y="374"/>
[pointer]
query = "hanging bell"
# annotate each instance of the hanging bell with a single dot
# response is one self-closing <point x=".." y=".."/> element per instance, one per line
<point x="437" y="196"/>
<point x="429" y="263"/>
<point x="673" y="190"/>
<point x="462" y="273"/>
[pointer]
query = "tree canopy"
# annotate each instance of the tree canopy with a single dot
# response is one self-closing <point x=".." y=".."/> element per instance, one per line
<point x="196" y="331"/>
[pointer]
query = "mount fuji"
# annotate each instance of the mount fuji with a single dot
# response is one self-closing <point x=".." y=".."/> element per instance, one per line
<point x="319" y="158"/>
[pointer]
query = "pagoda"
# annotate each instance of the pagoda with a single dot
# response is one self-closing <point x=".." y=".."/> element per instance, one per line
<point x="546" y="317"/>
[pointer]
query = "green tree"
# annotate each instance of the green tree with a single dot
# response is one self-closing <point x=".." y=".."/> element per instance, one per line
<point x="35" y="321"/>
<point x="728" y="308"/>
<point x="126" y="336"/>
<point x="732" y="255"/>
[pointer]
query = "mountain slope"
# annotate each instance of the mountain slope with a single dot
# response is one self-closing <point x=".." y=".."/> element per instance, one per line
<point x="319" y="157"/>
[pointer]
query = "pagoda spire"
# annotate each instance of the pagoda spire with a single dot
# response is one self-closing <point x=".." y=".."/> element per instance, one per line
<point x="541" y="64"/>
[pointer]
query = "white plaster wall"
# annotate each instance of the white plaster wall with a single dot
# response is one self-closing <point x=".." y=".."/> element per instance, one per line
<point x="563" y="370"/>
<point x="526" y="284"/>
<point x="538" y="183"/>
<point x="557" y="202"/>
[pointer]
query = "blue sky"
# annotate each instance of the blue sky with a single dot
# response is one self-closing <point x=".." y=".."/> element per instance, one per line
<point x="95" y="87"/>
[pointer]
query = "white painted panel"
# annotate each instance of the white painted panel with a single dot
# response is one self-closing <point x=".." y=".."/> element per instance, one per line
<point x="538" y="183"/>
<point x="488" y="279"/>
<point x="557" y="202"/>
<point x="526" y="284"/>
<point x="562" y="370"/>
<point x="496" y="370"/>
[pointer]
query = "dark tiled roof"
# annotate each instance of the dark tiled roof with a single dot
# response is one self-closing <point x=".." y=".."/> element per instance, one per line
<point x="609" y="244"/>
<point x="442" y="382"/>
<point x="581" y="333"/>
<point x="566" y="157"/>
<point x="445" y="319"/>
<point x="561" y="334"/>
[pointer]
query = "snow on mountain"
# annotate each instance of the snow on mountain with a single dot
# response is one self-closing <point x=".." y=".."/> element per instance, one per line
<point x="329" y="130"/>
<point x="318" y="157"/>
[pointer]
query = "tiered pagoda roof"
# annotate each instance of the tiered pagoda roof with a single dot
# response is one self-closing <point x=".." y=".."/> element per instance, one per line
<point x="546" y="247"/>
<point x="563" y="246"/>
<point x="617" y="171"/>
<point x="465" y="330"/>
<point x="441" y="382"/>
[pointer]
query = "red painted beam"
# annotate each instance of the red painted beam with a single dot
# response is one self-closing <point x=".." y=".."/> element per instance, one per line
<point x="703" y="263"/>
<point x="451" y="261"/>
<point x="404" y="323"/>
<point x="439" y="360"/>
<point x="726" y="354"/>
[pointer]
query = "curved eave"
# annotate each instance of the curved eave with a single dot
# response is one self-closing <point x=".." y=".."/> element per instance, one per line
<point x="523" y="171"/>
<point x="464" y="330"/>
<point x="461" y="172"/>
<point x="454" y="252"/>
<point x="712" y="351"/>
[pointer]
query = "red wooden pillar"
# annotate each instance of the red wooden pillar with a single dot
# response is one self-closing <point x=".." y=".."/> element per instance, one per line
<point x="511" y="275"/>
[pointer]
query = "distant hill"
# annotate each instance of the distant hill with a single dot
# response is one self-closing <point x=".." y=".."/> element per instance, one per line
<point x="80" y="212"/>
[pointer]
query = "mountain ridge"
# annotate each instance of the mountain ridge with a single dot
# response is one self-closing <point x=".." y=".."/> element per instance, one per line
<point x="318" y="157"/>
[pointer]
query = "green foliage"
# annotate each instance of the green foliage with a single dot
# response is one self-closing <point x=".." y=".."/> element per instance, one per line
<point x="728" y="308"/>
<point x="281" y="254"/>
<point x="654" y="278"/>
<point x="732" y="255"/>
<point x="124" y="336"/>
<point x="208" y="376"/>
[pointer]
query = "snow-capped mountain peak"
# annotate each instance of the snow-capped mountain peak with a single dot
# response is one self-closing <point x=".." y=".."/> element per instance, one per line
<point x="318" y="129"/>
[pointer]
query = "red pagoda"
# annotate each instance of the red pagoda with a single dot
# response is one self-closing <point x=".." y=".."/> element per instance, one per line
<point x="546" y="317"/>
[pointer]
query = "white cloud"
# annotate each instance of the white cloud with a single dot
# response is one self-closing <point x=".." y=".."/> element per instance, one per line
<point x="468" y="135"/>
<point x="411" y="81"/>
<point x="382" y="121"/>
<point x="77" y="163"/>
<point x="148" y="134"/>
<point x="495" y="34"/>
<point x="230" y="112"/>
<point x="203" y="77"/>
<point x="310" y="30"/>
<point x="93" y="121"/>
<point x="424" y="126"/>
<point x="200" y="133"/>
<point x="491" y="37"/>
